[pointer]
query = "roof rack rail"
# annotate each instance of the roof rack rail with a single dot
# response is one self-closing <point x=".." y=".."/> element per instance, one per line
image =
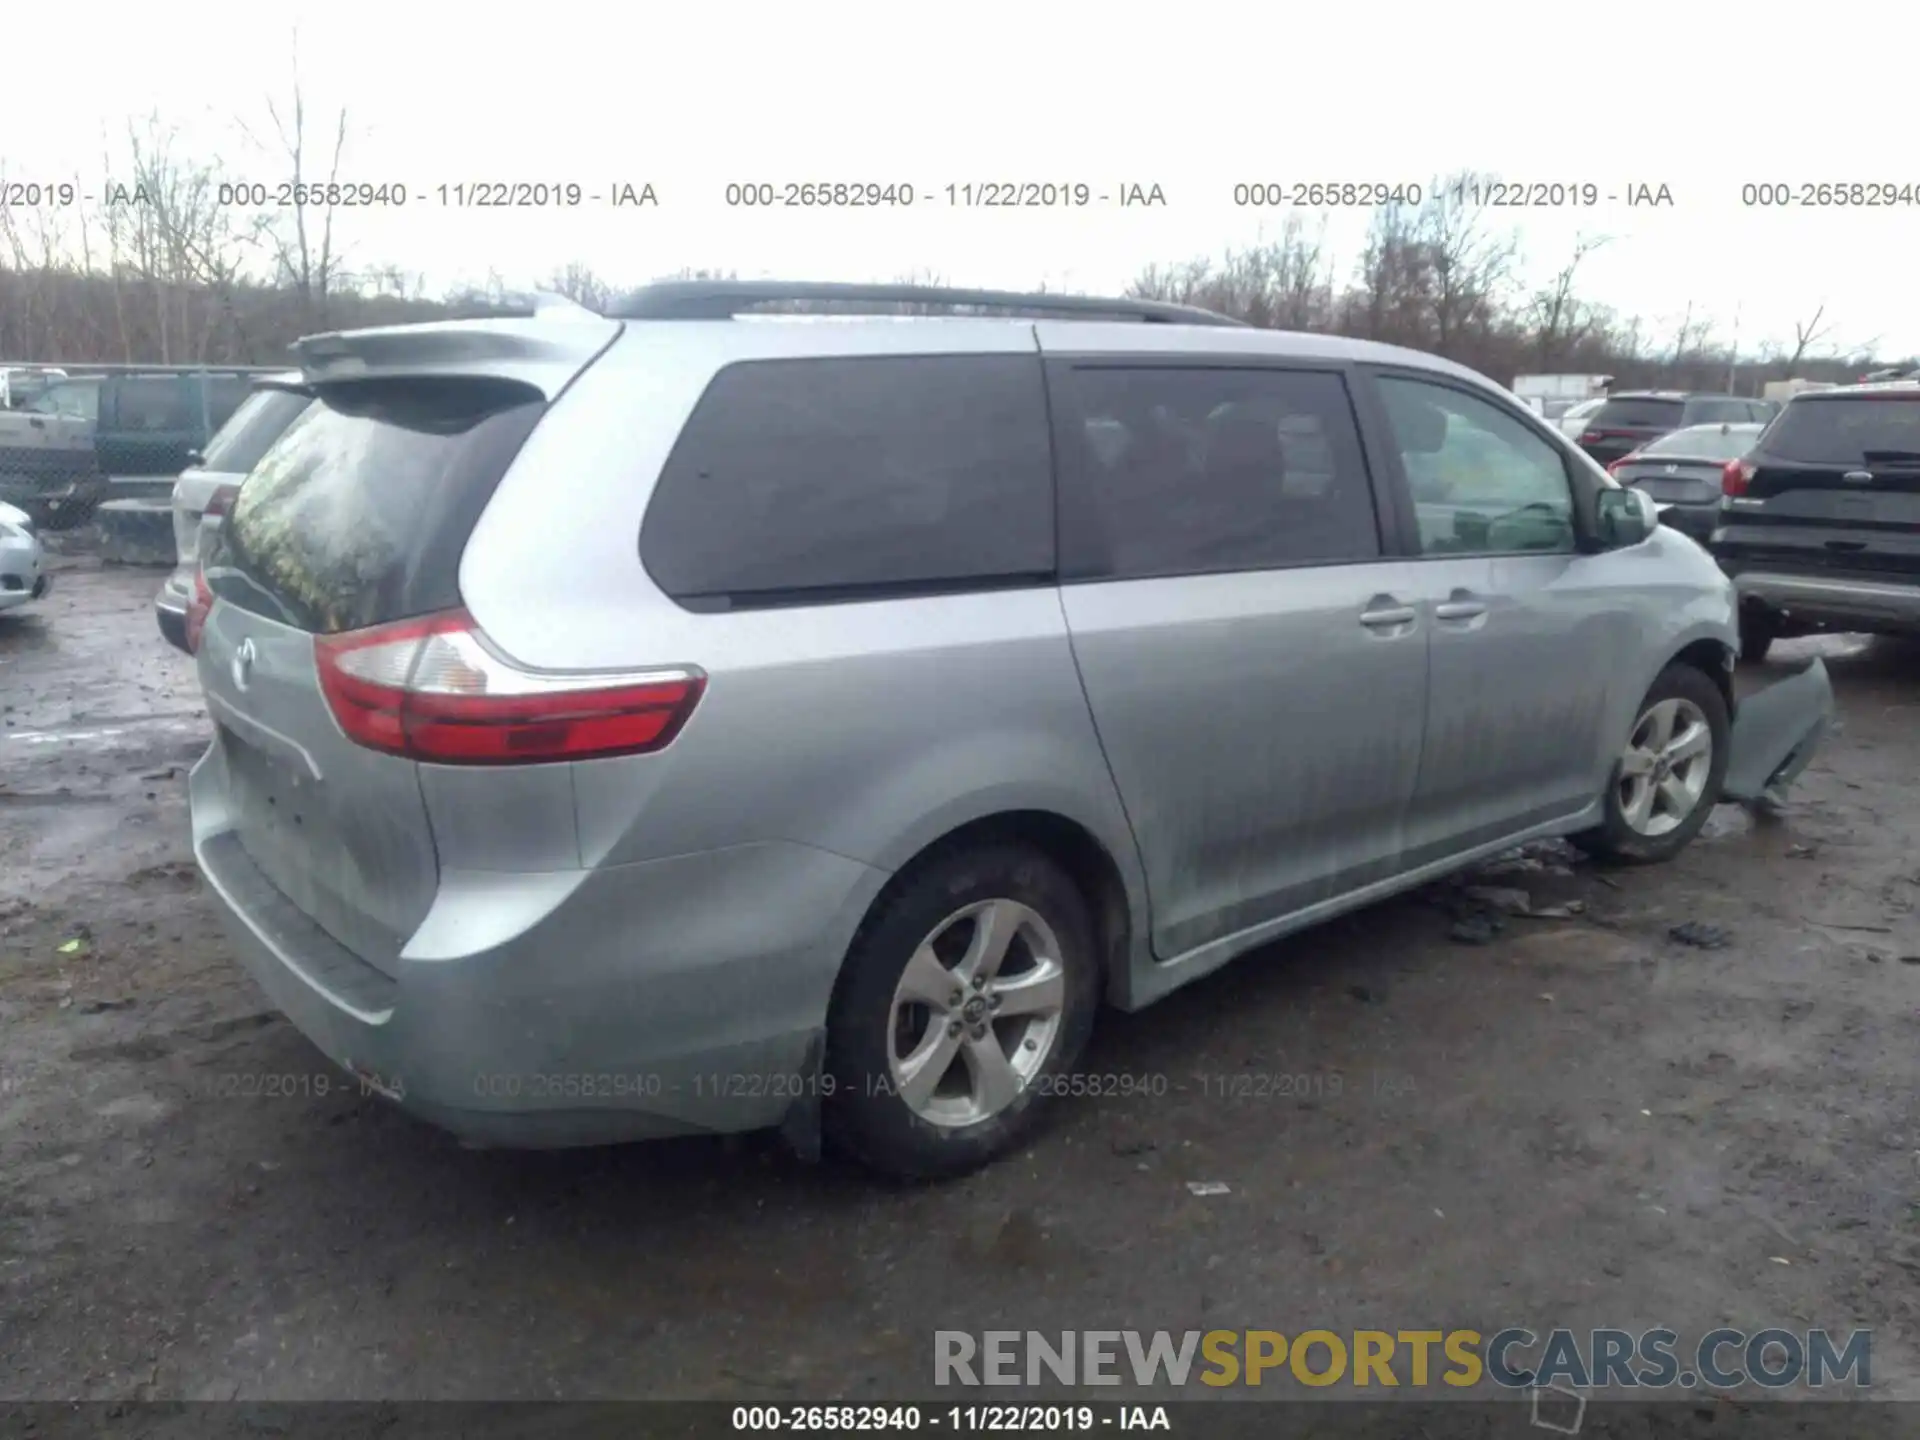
<point x="727" y="299"/>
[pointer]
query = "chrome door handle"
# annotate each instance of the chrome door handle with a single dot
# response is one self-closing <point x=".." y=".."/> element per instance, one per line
<point x="1459" y="609"/>
<point x="1388" y="616"/>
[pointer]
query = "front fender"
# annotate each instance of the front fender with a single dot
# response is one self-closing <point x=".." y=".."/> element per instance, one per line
<point x="1775" y="732"/>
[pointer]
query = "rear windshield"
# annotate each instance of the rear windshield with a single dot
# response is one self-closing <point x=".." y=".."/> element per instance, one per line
<point x="1706" y="442"/>
<point x="358" y="514"/>
<point x="1629" y="413"/>
<point x="1847" y="432"/>
<point x="263" y="417"/>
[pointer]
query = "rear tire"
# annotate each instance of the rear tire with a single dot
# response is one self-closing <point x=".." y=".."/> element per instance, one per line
<point x="933" y="1074"/>
<point x="1667" y="778"/>
<point x="1758" y="631"/>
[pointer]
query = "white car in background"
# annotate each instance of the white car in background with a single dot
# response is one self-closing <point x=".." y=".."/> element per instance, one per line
<point x="21" y="578"/>
<point x="1574" y="421"/>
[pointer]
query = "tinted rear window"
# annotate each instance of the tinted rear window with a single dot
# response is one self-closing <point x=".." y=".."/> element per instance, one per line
<point x="1189" y="471"/>
<point x="1706" y="442"/>
<point x="1846" y="432"/>
<point x="358" y="513"/>
<point x="842" y="478"/>
<point x="261" y="419"/>
<point x="1631" y="414"/>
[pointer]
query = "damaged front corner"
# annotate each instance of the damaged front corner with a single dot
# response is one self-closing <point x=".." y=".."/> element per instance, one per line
<point x="1775" y="734"/>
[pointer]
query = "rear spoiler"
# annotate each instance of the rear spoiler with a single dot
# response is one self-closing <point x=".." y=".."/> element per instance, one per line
<point x="545" y="350"/>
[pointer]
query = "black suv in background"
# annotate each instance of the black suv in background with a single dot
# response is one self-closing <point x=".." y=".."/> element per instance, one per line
<point x="1633" y="417"/>
<point x="1820" y="523"/>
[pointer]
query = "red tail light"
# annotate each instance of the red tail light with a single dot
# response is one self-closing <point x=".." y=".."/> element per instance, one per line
<point x="219" y="503"/>
<point x="1613" y="467"/>
<point x="197" y="609"/>
<point x="432" y="690"/>
<point x="1735" y="476"/>
<point x="217" y="506"/>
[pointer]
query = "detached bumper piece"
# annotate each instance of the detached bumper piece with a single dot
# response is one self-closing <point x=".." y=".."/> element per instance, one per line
<point x="1775" y="734"/>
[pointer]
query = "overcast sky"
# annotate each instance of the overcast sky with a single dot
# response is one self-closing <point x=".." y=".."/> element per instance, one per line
<point x="1192" y="97"/>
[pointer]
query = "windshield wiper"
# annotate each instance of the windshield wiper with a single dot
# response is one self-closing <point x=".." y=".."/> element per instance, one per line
<point x="1909" y="456"/>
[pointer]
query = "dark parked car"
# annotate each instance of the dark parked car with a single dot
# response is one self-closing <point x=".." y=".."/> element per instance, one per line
<point x="1820" y="528"/>
<point x="1632" y="419"/>
<point x="151" y="422"/>
<point x="1683" y="473"/>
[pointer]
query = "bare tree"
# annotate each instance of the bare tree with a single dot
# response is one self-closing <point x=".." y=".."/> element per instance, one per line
<point x="1286" y="284"/>
<point x="1690" y="338"/>
<point x="1390" y="301"/>
<point x="189" y="242"/>
<point x="1560" y="320"/>
<point x="301" y="235"/>
<point x="1470" y="260"/>
<point x="1804" y="336"/>
<point x="578" y="283"/>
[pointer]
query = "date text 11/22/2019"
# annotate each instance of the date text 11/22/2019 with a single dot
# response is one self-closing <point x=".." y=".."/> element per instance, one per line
<point x="954" y="195"/>
<point x="955" y="1419"/>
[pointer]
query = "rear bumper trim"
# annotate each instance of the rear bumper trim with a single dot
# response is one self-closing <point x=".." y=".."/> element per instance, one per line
<point x="1821" y="595"/>
<point x="302" y="946"/>
<point x="173" y="624"/>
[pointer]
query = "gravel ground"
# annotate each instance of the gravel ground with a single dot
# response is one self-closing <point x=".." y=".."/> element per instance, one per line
<point x="1582" y="1122"/>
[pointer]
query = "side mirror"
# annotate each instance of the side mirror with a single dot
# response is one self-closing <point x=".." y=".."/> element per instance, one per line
<point x="1626" y="517"/>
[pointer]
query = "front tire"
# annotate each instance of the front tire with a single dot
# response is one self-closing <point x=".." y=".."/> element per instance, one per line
<point x="966" y="994"/>
<point x="1666" y="780"/>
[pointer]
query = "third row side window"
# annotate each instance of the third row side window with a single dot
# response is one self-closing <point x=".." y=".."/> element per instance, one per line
<point x="1184" y="471"/>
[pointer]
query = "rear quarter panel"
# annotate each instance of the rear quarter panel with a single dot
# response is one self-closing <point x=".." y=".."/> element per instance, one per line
<point x="867" y="729"/>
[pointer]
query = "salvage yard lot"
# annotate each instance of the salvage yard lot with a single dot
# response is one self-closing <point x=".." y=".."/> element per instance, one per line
<point x="1582" y="1122"/>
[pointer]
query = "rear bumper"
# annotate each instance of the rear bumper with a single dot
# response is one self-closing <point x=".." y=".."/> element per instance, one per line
<point x="170" y="610"/>
<point x="571" y="1008"/>
<point x="1830" y="600"/>
<point x="21" y="578"/>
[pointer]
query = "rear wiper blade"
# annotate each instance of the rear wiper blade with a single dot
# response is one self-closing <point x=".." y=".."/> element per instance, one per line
<point x="1908" y="455"/>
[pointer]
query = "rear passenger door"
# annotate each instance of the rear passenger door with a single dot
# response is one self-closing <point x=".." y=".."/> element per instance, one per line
<point x="1255" y="667"/>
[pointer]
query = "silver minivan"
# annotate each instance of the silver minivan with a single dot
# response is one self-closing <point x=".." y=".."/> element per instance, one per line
<point x="692" y="720"/>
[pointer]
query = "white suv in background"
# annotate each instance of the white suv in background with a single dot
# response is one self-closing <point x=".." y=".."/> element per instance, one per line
<point x="210" y="480"/>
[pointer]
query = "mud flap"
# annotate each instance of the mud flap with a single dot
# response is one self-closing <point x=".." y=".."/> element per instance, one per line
<point x="1775" y="734"/>
<point x="800" y="1127"/>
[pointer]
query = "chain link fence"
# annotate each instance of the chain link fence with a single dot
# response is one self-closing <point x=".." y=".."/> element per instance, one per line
<point x="90" y="453"/>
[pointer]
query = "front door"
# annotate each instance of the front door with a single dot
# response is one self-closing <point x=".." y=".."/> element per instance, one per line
<point x="1522" y="641"/>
